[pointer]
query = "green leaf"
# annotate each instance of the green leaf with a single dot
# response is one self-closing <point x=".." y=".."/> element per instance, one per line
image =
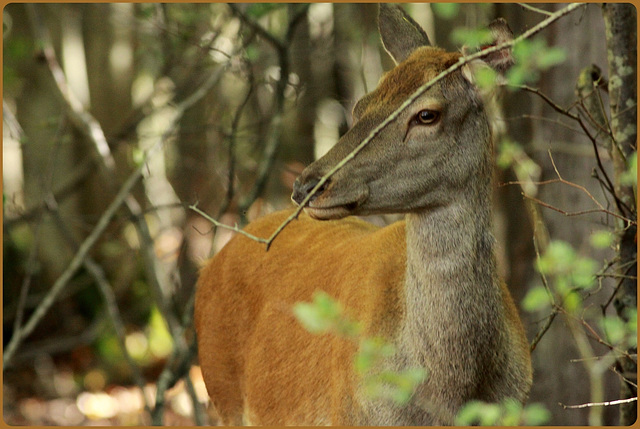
<point x="583" y="273"/>
<point x="550" y="56"/>
<point x="252" y="52"/>
<point x="614" y="328"/>
<point x="523" y="50"/>
<point x="535" y="415"/>
<point x="601" y="239"/>
<point x="397" y="386"/>
<point x="632" y="326"/>
<point x="371" y="352"/>
<point x="473" y="38"/>
<point x="630" y="177"/>
<point x="520" y="74"/>
<point x="531" y="57"/>
<point x="632" y="319"/>
<point x="479" y="413"/>
<point x="445" y="10"/>
<point x="312" y="318"/>
<point x="486" y="78"/>
<point x="490" y="415"/>
<point x="512" y="412"/>
<point x="160" y="340"/>
<point x="324" y="314"/>
<point x="506" y="153"/>
<point x="536" y="299"/>
<point x="558" y="258"/>
<point x="507" y="413"/>
<point x="572" y="302"/>
<point x="468" y="414"/>
<point x="137" y="155"/>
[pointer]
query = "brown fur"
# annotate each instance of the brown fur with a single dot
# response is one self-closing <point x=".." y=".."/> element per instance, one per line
<point x="250" y="344"/>
<point x="427" y="284"/>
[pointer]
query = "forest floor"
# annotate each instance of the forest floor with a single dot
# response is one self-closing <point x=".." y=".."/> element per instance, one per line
<point x="110" y="405"/>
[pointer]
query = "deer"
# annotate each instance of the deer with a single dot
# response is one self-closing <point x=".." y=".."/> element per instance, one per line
<point x="428" y="284"/>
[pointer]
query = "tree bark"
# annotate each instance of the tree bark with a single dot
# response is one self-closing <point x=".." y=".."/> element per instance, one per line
<point x="621" y="37"/>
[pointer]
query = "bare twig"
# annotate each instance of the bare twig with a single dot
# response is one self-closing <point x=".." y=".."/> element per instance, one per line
<point x="275" y="132"/>
<point x="621" y="277"/>
<point x="535" y="9"/>
<point x="578" y="360"/>
<point x="72" y="268"/>
<point x="120" y="199"/>
<point x="595" y="369"/>
<point x="595" y="336"/>
<point x="560" y="179"/>
<point x="270" y="38"/>
<point x="541" y="238"/>
<point x="622" y="377"/>
<point x="198" y="413"/>
<point x="62" y="191"/>
<point x="543" y="330"/>
<point x="90" y="127"/>
<point x="110" y="303"/>
<point x="571" y="214"/>
<point x="622" y="206"/>
<point x="81" y="118"/>
<point x="599" y="404"/>
<point x="61" y="344"/>
<point x="26" y="282"/>
<point x="232" y="143"/>
<point x="394" y="115"/>
<point x="410" y="100"/>
<point x="177" y="365"/>
<point x="551" y="121"/>
<point x="231" y="228"/>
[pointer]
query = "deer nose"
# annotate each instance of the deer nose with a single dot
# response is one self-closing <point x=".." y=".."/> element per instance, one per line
<point x="302" y="188"/>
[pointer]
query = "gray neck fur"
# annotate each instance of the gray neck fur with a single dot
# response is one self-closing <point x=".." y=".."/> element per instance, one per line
<point x="454" y="322"/>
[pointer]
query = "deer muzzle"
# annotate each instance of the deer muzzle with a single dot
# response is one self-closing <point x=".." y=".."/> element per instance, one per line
<point x="330" y="200"/>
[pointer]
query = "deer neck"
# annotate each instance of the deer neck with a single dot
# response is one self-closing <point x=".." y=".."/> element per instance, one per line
<point x="452" y="241"/>
<point x="453" y="303"/>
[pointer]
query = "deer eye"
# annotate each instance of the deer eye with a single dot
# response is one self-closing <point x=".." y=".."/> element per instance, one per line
<point x="427" y="117"/>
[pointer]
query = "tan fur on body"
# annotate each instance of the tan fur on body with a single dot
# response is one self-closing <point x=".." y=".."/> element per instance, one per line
<point x="287" y="374"/>
<point x="427" y="284"/>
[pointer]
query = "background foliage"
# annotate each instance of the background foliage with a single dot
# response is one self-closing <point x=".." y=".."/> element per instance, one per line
<point x="118" y="117"/>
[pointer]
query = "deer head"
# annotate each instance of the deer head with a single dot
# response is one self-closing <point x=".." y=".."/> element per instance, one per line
<point x="437" y="146"/>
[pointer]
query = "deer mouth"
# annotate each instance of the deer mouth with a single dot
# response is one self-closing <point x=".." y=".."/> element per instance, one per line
<point x="335" y="200"/>
<point x="334" y="212"/>
<point x="332" y="205"/>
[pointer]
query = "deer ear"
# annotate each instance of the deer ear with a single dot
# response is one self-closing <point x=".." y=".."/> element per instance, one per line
<point x="401" y="35"/>
<point x="499" y="61"/>
<point x="502" y="60"/>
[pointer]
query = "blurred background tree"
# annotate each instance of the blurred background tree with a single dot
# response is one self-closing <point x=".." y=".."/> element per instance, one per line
<point x="118" y="117"/>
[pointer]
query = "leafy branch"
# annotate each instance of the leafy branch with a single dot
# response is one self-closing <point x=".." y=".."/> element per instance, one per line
<point x="326" y="315"/>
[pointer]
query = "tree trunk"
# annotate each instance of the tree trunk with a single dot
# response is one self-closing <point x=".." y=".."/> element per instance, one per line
<point x="621" y="36"/>
<point x="49" y="157"/>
